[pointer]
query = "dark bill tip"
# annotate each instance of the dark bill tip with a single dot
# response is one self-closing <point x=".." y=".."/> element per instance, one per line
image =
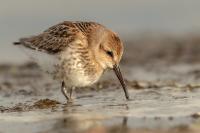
<point x="119" y="76"/>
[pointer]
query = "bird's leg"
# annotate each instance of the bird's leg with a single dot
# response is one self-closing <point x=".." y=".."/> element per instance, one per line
<point x="70" y="100"/>
<point x="64" y="91"/>
<point x="71" y="91"/>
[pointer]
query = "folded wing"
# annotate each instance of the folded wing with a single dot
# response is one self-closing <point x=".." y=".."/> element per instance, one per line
<point x="58" y="37"/>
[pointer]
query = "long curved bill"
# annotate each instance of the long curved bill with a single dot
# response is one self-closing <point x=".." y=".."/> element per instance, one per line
<point x="119" y="76"/>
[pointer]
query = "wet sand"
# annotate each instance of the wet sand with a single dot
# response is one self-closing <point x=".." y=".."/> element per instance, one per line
<point x="163" y="79"/>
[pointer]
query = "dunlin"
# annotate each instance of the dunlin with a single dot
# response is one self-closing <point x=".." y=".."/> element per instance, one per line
<point x="78" y="53"/>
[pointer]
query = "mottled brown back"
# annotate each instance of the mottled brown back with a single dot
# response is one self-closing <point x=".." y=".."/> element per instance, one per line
<point x="57" y="38"/>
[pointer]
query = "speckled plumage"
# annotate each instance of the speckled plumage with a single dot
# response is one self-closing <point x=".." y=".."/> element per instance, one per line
<point x="81" y="51"/>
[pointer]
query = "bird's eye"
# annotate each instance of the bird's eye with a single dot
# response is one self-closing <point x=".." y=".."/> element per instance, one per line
<point x="110" y="53"/>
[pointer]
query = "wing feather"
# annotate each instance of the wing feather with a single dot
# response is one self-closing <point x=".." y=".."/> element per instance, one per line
<point x="58" y="37"/>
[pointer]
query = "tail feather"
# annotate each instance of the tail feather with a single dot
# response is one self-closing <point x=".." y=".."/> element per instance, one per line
<point x="21" y="41"/>
<point x="16" y="43"/>
<point x="26" y="42"/>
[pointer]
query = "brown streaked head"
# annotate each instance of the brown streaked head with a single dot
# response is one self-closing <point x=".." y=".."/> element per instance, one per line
<point x="109" y="51"/>
<point x="108" y="55"/>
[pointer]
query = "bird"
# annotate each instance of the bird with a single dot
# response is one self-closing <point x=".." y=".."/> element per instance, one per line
<point x="76" y="53"/>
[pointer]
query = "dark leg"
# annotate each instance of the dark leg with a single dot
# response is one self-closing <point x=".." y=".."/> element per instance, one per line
<point x="64" y="91"/>
<point x="71" y="91"/>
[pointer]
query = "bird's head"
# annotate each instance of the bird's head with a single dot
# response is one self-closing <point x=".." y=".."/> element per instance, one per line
<point x="110" y="51"/>
<point x="108" y="54"/>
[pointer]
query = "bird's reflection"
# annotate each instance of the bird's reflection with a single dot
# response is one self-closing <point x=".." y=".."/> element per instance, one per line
<point x="90" y="125"/>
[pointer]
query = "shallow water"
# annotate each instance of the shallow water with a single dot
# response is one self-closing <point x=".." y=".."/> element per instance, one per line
<point x="31" y="102"/>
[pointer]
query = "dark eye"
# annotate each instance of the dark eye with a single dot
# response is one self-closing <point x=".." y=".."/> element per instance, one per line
<point x="110" y="53"/>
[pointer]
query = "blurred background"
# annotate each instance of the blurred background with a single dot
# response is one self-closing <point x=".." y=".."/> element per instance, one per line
<point x="129" y="18"/>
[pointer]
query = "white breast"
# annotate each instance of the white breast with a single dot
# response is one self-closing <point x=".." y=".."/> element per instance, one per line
<point x="75" y="71"/>
<point x="72" y="72"/>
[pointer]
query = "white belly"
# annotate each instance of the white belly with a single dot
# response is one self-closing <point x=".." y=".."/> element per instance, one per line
<point x="72" y="72"/>
<point x="78" y="79"/>
<point x="75" y="75"/>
